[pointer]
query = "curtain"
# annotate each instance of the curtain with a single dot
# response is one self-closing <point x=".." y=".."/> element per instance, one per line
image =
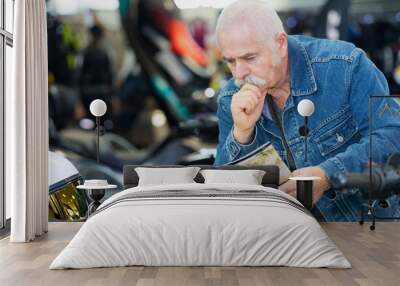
<point x="27" y="124"/>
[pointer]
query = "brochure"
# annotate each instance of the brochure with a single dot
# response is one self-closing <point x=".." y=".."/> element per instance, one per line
<point x="265" y="155"/>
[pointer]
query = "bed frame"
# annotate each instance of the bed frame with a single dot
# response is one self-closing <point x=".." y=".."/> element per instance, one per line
<point x="270" y="179"/>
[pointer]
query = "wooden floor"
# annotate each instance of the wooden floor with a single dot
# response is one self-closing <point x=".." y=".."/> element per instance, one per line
<point x="375" y="256"/>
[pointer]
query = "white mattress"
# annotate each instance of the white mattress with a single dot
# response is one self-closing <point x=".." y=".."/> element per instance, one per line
<point x="202" y="231"/>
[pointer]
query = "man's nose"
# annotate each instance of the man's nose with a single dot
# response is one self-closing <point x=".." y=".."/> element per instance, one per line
<point x="241" y="70"/>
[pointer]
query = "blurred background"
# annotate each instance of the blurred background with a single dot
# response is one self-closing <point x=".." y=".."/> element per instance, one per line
<point x="156" y="65"/>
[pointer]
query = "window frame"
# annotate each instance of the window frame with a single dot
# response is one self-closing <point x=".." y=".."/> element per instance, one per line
<point x="6" y="39"/>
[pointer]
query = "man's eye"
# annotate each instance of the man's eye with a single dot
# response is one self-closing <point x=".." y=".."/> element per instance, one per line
<point x="250" y="59"/>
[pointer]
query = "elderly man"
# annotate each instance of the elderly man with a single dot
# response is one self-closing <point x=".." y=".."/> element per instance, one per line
<point x="272" y="72"/>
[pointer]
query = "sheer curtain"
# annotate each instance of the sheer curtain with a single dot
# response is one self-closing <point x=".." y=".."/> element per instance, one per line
<point x="27" y="124"/>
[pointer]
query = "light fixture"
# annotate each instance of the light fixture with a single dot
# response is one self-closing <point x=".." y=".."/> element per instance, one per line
<point x="98" y="108"/>
<point x="158" y="118"/>
<point x="305" y="108"/>
<point x="209" y="92"/>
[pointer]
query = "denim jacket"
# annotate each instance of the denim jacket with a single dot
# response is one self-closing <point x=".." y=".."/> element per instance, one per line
<point x="338" y="78"/>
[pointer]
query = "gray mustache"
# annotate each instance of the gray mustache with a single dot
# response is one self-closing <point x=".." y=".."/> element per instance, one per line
<point x="251" y="79"/>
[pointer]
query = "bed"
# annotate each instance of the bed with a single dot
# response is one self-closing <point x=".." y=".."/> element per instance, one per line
<point x="201" y="224"/>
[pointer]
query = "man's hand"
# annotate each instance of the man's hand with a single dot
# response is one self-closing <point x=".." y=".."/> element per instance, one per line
<point x="247" y="105"/>
<point x="319" y="186"/>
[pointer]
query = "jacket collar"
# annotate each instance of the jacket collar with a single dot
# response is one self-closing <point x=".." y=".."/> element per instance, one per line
<point x="302" y="78"/>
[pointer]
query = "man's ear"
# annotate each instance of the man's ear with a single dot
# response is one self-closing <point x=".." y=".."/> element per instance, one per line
<point x="282" y="44"/>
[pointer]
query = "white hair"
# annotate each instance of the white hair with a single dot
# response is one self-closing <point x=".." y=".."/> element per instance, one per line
<point x="257" y="14"/>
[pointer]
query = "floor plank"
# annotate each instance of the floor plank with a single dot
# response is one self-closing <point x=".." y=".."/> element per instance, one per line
<point x="375" y="257"/>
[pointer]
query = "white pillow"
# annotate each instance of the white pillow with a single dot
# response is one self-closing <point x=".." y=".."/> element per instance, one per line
<point x="248" y="177"/>
<point x="163" y="176"/>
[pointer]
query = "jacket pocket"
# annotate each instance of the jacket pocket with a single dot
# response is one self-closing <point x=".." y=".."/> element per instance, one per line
<point x="338" y="132"/>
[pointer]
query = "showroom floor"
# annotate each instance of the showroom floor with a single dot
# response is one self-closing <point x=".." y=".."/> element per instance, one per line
<point x="375" y="257"/>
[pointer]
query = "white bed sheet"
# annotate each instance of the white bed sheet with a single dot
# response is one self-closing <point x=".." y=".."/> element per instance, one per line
<point x="200" y="232"/>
